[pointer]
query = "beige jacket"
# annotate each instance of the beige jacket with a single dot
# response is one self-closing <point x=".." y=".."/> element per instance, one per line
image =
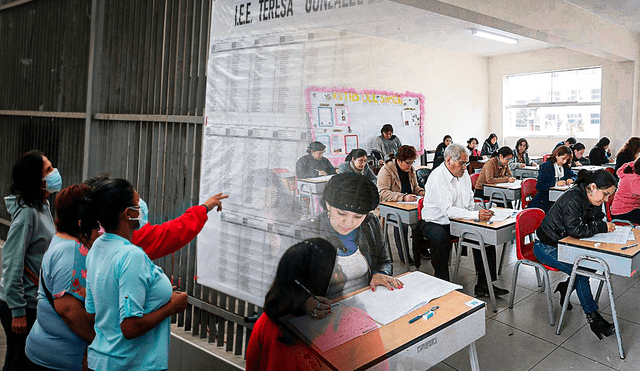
<point x="389" y="185"/>
<point x="493" y="173"/>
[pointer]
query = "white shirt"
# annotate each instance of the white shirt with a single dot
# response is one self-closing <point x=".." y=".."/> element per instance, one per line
<point x="446" y="197"/>
<point x="559" y="171"/>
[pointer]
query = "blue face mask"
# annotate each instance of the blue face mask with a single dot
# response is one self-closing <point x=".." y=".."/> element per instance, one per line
<point x="143" y="213"/>
<point x="54" y="181"/>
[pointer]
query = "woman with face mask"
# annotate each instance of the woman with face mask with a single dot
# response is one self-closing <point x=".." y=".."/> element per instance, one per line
<point x="129" y="297"/>
<point x="29" y="235"/>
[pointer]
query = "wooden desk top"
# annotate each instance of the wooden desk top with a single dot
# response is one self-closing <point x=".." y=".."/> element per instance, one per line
<point x="408" y="207"/>
<point x="378" y="345"/>
<point x="615" y="249"/>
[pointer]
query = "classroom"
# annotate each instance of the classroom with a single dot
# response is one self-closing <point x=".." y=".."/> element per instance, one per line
<point x="231" y="96"/>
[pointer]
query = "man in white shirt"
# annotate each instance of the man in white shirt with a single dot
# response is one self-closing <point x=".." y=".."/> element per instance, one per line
<point x="448" y="194"/>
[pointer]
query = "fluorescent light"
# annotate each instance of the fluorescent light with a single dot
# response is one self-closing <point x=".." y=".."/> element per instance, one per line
<point x="494" y="36"/>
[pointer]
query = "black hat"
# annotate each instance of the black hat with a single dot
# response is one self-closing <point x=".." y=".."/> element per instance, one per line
<point x="351" y="192"/>
<point x="316" y="146"/>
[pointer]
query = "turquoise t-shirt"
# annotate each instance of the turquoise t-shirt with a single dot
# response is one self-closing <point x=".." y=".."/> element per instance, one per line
<point x="63" y="272"/>
<point x="121" y="283"/>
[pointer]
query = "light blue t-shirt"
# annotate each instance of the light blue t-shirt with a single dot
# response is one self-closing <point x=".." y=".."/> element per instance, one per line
<point x="63" y="272"/>
<point x="121" y="283"/>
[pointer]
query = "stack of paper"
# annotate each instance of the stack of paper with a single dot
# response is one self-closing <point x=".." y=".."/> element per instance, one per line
<point x="502" y="214"/>
<point x="620" y="236"/>
<point x="385" y="306"/>
<point x="515" y="185"/>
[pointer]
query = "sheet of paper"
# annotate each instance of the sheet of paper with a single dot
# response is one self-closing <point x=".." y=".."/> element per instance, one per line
<point x="324" y="178"/>
<point x="516" y="184"/>
<point x="502" y="214"/>
<point x="385" y="306"/>
<point x="341" y="325"/>
<point x="564" y="187"/>
<point x="621" y="235"/>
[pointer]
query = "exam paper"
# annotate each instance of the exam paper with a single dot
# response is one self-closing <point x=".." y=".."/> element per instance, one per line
<point x="385" y="306"/>
<point x="515" y="185"/>
<point x="502" y="214"/>
<point x="621" y="235"/>
<point x="341" y="325"/>
<point x="410" y="202"/>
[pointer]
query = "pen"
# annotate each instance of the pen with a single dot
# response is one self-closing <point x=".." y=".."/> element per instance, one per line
<point x="307" y="290"/>
<point x="628" y="247"/>
<point x="428" y="313"/>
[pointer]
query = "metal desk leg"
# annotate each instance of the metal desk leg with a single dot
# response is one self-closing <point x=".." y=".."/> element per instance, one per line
<point x="475" y="236"/>
<point x="473" y="357"/>
<point x="393" y="219"/>
<point x="505" y="246"/>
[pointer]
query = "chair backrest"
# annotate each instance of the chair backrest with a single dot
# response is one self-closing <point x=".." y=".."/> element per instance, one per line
<point x="527" y="221"/>
<point x="420" y="203"/>
<point x="611" y="170"/>
<point x="422" y="175"/>
<point x="607" y="206"/>
<point x="528" y="191"/>
<point x="545" y="157"/>
<point x="474" y="178"/>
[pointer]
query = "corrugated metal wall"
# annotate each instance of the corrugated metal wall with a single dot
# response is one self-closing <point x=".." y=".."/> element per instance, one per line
<point x="143" y="77"/>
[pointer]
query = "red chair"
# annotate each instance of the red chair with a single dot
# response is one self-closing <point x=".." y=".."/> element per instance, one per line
<point x="611" y="170"/>
<point x="527" y="222"/>
<point x="528" y="191"/>
<point x="607" y="206"/>
<point x="545" y="157"/>
<point x="474" y="179"/>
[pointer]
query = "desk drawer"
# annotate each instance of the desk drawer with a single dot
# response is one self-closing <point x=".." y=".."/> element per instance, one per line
<point x="490" y="236"/>
<point x="619" y="265"/>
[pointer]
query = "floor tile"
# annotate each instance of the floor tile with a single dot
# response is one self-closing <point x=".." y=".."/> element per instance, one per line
<point x="504" y="348"/>
<point x="564" y="360"/>
<point x="627" y="305"/>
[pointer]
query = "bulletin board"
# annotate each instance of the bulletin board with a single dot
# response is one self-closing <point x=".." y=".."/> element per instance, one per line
<point x="344" y="119"/>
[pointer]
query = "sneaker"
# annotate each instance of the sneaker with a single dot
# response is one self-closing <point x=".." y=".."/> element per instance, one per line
<point x="483" y="290"/>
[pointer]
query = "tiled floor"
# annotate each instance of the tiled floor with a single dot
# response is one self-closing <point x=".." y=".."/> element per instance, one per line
<point x="522" y="339"/>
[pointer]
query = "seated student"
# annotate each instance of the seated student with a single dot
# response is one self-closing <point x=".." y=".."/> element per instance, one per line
<point x="387" y="143"/>
<point x="314" y="164"/>
<point x="356" y="162"/>
<point x="626" y="202"/>
<point x="578" y="213"/>
<point x="449" y="195"/>
<point x="569" y="142"/>
<point x="600" y="154"/>
<point x="472" y="145"/>
<point x="628" y="152"/>
<point x="490" y="145"/>
<point x="397" y="181"/>
<point x="578" y="155"/>
<point x="439" y="156"/>
<point x="554" y="172"/>
<point x="520" y="155"/>
<point x="496" y="170"/>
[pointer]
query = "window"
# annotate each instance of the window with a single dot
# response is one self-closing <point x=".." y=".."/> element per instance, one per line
<point x="560" y="103"/>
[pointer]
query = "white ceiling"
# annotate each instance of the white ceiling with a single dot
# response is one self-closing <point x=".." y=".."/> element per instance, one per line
<point x="443" y="32"/>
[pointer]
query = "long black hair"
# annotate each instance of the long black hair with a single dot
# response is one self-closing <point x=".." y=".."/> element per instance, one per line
<point x="504" y="151"/>
<point x="601" y="178"/>
<point x="604" y="141"/>
<point x="27" y="180"/>
<point x="633" y="169"/>
<point x="106" y="200"/>
<point x="355" y="153"/>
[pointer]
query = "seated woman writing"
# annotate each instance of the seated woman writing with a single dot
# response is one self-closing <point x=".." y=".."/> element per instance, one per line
<point x="626" y="202"/>
<point x="578" y="155"/>
<point x="496" y="170"/>
<point x="362" y="257"/>
<point x="554" y="172"/>
<point x="314" y="164"/>
<point x="521" y="155"/>
<point x="356" y="162"/>
<point x="578" y="213"/>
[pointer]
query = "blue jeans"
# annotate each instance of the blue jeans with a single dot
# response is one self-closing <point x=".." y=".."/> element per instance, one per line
<point x="548" y="255"/>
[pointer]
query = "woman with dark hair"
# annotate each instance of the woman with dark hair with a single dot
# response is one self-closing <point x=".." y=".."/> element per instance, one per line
<point x="63" y="324"/>
<point x="307" y="265"/>
<point x="600" y="154"/>
<point x="578" y="155"/>
<point x="577" y="213"/>
<point x="490" y="145"/>
<point x="386" y="144"/>
<point x="554" y="172"/>
<point x="31" y="230"/>
<point x="472" y="146"/>
<point x="397" y="179"/>
<point x="496" y="170"/>
<point x="626" y="202"/>
<point x="520" y="155"/>
<point x="314" y="164"/>
<point x="348" y="224"/>
<point x="356" y="162"/>
<point x="131" y="299"/>
<point x="628" y="152"/>
<point x="439" y="156"/>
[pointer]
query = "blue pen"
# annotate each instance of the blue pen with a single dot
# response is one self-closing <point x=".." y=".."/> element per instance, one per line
<point x="428" y="314"/>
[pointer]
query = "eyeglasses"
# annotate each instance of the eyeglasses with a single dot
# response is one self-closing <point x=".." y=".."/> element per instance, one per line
<point x="464" y="164"/>
<point x="409" y="162"/>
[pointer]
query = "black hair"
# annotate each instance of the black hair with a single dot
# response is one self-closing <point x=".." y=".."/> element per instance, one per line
<point x="604" y="141"/>
<point x="601" y="178"/>
<point x="571" y="140"/>
<point x="27" y="180"/>
<point x="577" y="147"/>
<point x="491" y="136"/>
<point x="96" y="179"/>
<point x="351" y="192"/>
<point x="504" y="151"/>
<point x="471" y="140"/>
<point x="355" y="153"/>
<point x="445" y="138"/>
<point x="632" y="147"/>
<point x="386" y="128"/>
<point x="104" y="203"/>
<point x="633" y="169"/>
<point x="316" y="146"/>
<point x="310" y="263"/>
<point x="561" y="151"/>
<point x="518" y="143"/>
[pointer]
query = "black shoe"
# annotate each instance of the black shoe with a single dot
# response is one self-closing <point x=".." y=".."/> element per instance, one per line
<point x="562" y="288"/>
<point x="483" y="290"/>
<point x="425" y="253"/>
<point x="599" y="325"/>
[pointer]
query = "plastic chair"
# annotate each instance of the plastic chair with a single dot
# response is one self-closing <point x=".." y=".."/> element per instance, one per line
<point x="527" y="191"/>
<point x="527" y="222"/>
<point x="474" y="179"/>
<point x="422" y="175"/>
<point x="545" y="157"/>
<point x="611" y="170"/>
<point x="607" y="206"/>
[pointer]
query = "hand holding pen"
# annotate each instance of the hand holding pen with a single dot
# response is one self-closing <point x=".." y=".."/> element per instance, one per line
<point x="315" y="306"/>
<point x="484" y="214"/>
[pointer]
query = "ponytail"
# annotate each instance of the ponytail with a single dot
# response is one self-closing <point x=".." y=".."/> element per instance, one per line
<point x="601" y="178"/>
<point x="633" y="169"/>
<point x="355" y="153"/>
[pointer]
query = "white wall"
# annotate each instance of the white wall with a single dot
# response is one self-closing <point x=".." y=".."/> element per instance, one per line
<point x="617" y="92"/>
